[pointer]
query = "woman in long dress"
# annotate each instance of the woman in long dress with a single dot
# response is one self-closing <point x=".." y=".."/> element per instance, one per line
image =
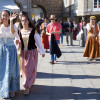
<point x="92" y="49"/>
<point x="9" y="67"/>
<point x="30" y="39"/>
<point x="44" y="36"/>
<point x="74" y="30"/>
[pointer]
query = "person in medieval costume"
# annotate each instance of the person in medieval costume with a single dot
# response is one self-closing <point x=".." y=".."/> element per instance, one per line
<point x="44" y="36"/>
<point x="9" y="66"/>
<point x="92" y="49"/>
<point x="30" y="40"/>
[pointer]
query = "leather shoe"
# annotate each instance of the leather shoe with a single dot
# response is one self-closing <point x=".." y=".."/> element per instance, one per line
<point x="52" y="62"/>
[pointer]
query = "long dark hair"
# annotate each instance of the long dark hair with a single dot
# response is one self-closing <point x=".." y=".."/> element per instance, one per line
<point x="37" y="28"/>
<point x="8" y="14"/>
<point x="30" y="23"/>
<point x="6" y="11"/>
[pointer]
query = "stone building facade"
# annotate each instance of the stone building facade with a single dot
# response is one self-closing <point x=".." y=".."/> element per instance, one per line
<point x="76" y="9"/>
<point x="48" y="6"/>
<point x="82" y="8"/>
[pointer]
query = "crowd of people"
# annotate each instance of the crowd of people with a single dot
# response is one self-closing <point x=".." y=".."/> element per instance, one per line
<point x="20" y="41"/>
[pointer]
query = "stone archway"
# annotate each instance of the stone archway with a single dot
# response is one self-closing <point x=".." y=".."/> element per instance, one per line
<point x="18" y="4"/>
<point x="38" y="10"/>
<point x="48" y="6"/>
<point x="44" y="10"/>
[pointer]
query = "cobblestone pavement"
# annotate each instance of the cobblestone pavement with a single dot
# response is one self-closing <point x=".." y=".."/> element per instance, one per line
<point x="73" y="77"/>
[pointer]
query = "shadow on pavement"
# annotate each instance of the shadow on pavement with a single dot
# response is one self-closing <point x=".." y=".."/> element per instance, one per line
<point x="72" y="52"/>
<point x="42" y="92"/>
<point x="41" y="75"/>
<point x="78" y="62"/>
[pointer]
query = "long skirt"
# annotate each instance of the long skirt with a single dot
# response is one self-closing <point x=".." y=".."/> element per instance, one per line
<point x="9" y="71"/>
<point x="45" y="41"/>
<point x="29" y="60"/>
<point x="92" y="48"/>
<point x="74" y="34"/>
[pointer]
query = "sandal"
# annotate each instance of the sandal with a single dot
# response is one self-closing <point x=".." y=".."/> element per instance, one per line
<point x="26" y="91"/>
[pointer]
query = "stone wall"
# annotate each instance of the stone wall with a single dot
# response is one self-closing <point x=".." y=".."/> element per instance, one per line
<point x="48" y="6"/>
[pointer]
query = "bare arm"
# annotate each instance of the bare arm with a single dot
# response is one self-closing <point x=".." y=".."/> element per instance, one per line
<point x="48" y="33"/>
<point x="12" y="30"/>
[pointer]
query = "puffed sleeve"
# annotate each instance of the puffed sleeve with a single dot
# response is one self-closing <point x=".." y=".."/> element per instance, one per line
<point x="39" y="43"/>
<point x="88" y="27"/>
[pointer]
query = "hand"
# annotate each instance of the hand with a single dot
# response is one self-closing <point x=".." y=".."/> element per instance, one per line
<point x="43" y="55"/>
<point x="17" y="41"/>
<point x="13" y="16"/>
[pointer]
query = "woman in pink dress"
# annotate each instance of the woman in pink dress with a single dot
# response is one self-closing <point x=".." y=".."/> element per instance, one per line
<point x="30" y="39"/>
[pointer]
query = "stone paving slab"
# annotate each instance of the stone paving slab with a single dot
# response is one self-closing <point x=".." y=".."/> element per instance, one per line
<point x="73" y="77"/>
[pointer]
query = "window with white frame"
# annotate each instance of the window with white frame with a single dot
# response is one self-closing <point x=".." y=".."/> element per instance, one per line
<point x="76" y="4"/>
<point x="65" y="2"/>
<point x="96" y="5"/>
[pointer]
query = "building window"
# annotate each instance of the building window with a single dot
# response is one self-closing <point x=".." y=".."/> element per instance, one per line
<point x="65" y="2"/>
<point x="76" y="4"/>
<point x="96" y="3"/>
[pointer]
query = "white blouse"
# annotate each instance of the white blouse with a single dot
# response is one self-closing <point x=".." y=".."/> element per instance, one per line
<point x="6" y="33"/>
<point x="88" y="27"/>
<point x="37" y="41"/>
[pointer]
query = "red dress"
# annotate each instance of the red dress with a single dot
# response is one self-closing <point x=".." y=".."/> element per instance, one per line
<point x="74" y="33"/>
<point x="44" y="37"/>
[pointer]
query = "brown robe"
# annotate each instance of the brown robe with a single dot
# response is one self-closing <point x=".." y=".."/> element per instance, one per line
<point x="92" y="48"/>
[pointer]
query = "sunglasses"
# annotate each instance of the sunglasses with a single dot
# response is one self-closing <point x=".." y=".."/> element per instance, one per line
<point x="52" y="19"/>
<point x="92" y="19"/>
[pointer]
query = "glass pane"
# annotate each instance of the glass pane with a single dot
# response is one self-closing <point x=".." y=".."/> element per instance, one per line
<point x="95" y="0"/>
<point x="95" y="6"/>
<point x="95" y="3"/>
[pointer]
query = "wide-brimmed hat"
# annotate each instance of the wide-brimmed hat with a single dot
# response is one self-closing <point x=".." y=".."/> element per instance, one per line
<point x="52" y="17"/>
<point x="92" y="17"/>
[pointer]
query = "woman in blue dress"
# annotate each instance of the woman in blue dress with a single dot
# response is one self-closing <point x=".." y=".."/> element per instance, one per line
<point x="9" y="67"/>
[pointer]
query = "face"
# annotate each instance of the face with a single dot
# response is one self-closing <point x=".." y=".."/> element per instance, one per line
<point x="60" y="21"/>
<point x="74" y="22"/>
<point x="46" y="20"/>
<point x="68" y="20"/>
<point x="5" y="16"/>
<point x="84" y="22"/>
<point x="52" y="20"/>
<point x="20" y="15"/>
<point x="92" y="21"/>
<point x="24" y="21"/>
